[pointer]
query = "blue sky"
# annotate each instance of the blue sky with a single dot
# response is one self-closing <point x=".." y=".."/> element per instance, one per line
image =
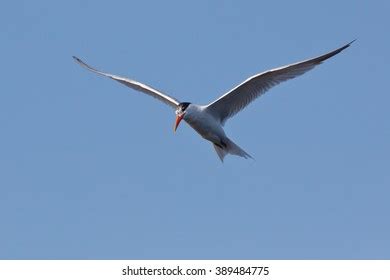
<point x="92" y="170"/>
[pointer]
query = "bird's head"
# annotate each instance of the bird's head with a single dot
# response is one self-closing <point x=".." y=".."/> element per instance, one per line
<point x="180" y="112"/>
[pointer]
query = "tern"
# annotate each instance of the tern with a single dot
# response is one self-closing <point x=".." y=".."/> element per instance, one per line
<point x="208" y="120"/>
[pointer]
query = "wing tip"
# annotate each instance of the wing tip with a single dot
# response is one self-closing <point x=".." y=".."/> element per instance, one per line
<point x="333" y="53"/>
<point x="349" y="44"/>
<point x="85" y="65"/>
<point x="78" y="60"/>
<point x="345" y="46"/>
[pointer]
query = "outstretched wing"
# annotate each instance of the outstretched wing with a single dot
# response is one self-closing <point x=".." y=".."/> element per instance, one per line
<point x="134" y="85"/>
<point x="239" y="97"/>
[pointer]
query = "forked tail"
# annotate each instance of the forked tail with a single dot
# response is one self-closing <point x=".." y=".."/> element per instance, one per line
<point x="229" y="147"/>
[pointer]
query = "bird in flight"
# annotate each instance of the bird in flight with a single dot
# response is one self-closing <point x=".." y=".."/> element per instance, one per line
<point x="208" y="120"/>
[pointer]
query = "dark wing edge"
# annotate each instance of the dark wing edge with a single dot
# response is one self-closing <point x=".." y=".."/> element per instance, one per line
<point x="134" y="85"/>
<point x="242" y="95"/>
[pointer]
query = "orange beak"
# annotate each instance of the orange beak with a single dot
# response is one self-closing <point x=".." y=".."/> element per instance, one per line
<point x="178" y="120"/>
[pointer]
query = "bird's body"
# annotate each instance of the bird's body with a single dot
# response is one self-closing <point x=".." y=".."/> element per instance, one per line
<point x="204" y="123"/>
<point x="208" y="120"/>
<point x="211" y="129"/>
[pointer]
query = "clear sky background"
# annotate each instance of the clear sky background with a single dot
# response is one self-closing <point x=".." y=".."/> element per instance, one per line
<point x="92" y="170"/>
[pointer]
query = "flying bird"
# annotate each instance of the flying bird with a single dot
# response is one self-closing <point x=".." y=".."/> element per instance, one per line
<point x="208" y="120"/>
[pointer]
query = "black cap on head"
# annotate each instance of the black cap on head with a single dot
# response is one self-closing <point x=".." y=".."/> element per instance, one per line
<point x="183" y="106"/>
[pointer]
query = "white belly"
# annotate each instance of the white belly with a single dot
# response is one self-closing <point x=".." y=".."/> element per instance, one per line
<point x="206" y="126"/>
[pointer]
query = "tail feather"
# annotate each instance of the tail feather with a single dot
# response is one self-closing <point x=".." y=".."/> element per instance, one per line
<point x="230" y="148"/>
<point x="220" y="152"/>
